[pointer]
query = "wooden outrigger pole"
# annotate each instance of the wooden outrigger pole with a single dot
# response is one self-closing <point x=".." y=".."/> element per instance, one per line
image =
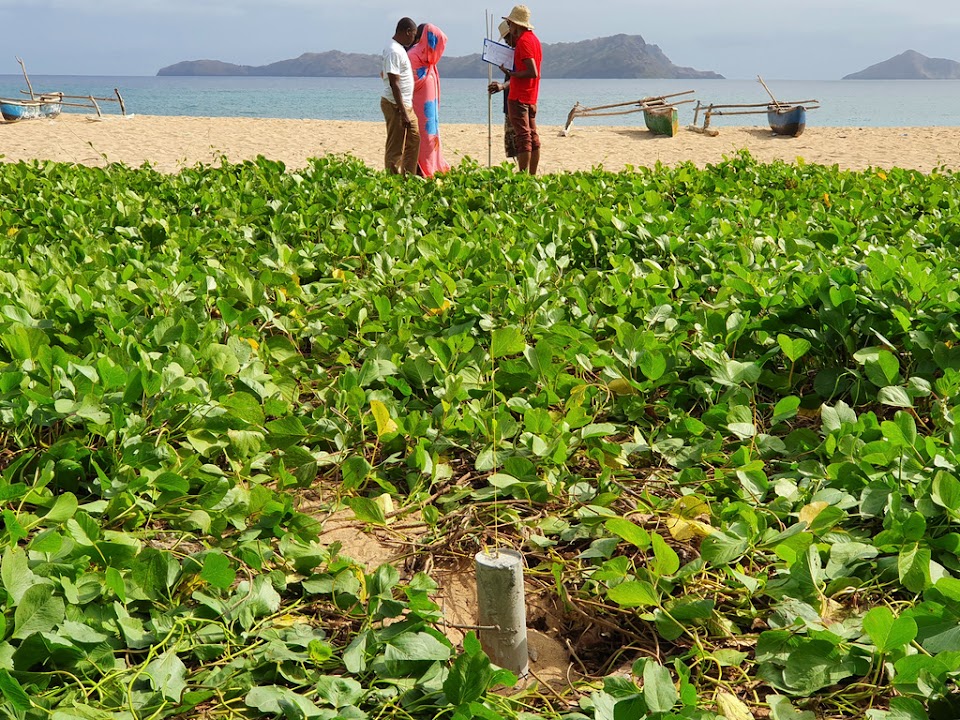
<point x="647" y="103"/>
<point x="27" y="78"/>
<point x="91" y="100"/>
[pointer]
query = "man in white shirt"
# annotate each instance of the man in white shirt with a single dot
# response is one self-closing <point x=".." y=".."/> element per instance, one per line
<point x="403" y="133"/>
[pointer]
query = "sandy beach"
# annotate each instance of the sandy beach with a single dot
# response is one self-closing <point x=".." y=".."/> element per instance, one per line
<point x="171" y="143"/>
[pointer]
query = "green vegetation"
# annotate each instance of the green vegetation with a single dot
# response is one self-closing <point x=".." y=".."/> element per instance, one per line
<point x="716" y="409"/>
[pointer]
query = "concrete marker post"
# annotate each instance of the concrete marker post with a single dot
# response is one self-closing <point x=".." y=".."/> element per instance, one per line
<point x="501" y="604"/>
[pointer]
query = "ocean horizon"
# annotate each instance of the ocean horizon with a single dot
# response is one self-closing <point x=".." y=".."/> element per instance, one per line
<point x="843" y="103"/>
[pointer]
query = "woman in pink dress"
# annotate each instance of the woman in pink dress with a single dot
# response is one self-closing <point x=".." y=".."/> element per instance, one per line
<point x="424" y="54"/>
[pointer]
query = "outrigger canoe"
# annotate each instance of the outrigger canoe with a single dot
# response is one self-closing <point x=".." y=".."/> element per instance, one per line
<point x="659" y="113"/>
<point x="663" y="120"/>
<point x="785" y="118"/>
<point x="50" y="104"/>
<point x="43" y="106"/>
<point x="789" y="121"/>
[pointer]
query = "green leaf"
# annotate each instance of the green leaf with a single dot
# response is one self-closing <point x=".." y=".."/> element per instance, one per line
<point x="63" y="509"/>
<point x="913" y="566"/>
<point x="244" y="407"/>
<point x="793" y="348"/>
<point x="16" y="574"/>
<point x="366" y="510"/>
<point x="721" y="548"/>
<point x="469" y="676"/>
<point x="218" y="570"/>
<point x="666" y="560"/>
<point x="785" y="409"/>
<point x="12" y="525"/>
<point x="659" y="692"/>
<point x="13" y="692"/>
<point x="886" y="632"/>
<point x="278" y="700"/>
<point x="39" y="611"/>
<point x="813" y="666"/>
<point x="355" y="471"/>
<point x="634" y="593"/>
<point x="414" y="647"/>
<point x="946" y="493"/>
<point x="507" y="341"/>
<point x="341" y="692"/>
<point x="168" y="676"/>
<point x="782" y="709"/>
<point x="632" y="533"/>
<point x="653" y="365"/>
<point x="895" y="396"/>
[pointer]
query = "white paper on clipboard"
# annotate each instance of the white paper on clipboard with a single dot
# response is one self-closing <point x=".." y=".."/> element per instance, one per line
<point x="497" y="54"/>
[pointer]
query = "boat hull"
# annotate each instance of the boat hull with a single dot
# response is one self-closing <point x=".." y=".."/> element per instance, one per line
<point x="787" y="121"/>
<point x="15" y="110"/>
<point x="662" y="121"/>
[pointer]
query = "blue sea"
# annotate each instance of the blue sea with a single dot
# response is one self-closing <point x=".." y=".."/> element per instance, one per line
<point x="843" y="103"/>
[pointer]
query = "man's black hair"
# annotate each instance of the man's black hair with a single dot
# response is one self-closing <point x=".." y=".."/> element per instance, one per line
<point x="406" y="24"/>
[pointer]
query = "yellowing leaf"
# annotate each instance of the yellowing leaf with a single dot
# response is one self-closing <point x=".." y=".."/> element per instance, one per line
<point x="826" y="199"/>
<point x="339" y="274"/>
<point x="285" y="621"/>
<point x="882" y="175"/>
<point x="809" y="512"/>
<point x="732" y="707"/>
<point x="386" y="504"/>
<point x="253" y="343"/>
<point x="684" y="529"/>
<point x="439" y="310"/>
<point x="621" y="386"/>
<point x="385" y="423"/>
<point x="11" y="232"/>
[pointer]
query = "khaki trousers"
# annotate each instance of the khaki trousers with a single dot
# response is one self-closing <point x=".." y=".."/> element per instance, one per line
<point x="403" y="146"/>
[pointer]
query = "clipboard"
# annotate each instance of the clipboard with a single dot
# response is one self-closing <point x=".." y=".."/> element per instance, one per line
<point x="497" y="54"/>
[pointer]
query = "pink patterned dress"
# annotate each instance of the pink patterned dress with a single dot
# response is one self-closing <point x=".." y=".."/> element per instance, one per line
<point x="426" y="97"/>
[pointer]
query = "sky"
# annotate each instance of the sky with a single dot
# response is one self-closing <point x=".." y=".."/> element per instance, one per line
<point x="815" y="40"/>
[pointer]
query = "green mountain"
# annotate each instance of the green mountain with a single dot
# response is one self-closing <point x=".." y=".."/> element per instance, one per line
<point x="910" y="65"/>
<point x="619" y="56"/>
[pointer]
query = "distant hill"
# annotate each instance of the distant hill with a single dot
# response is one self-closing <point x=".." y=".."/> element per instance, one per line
<point x="910" y="65"/>
<point x="619" y="56"/>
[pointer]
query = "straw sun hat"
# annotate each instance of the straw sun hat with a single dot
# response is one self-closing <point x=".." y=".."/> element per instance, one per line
<point x="520" y="15"/>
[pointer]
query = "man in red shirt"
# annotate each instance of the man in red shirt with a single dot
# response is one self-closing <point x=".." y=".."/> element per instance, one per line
<point x="524" y="79"/>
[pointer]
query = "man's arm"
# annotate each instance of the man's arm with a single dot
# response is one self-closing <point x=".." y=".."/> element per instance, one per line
<point x="529" y="70"/>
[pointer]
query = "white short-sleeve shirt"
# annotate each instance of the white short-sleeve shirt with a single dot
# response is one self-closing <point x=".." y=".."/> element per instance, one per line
<point x="396" y="62"/>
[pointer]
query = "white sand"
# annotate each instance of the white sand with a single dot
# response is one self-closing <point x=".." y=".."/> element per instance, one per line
<point x="171" y="143"/>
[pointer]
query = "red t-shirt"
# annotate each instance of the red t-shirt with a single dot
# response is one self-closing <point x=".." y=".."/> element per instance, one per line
<point x="526" y="90"/>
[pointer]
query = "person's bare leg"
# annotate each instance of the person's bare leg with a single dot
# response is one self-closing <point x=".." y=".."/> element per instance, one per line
<point x="523" y="161"/>
<point x="534" y="161"/>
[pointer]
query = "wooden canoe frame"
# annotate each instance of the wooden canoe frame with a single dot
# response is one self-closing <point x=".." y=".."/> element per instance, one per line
<point x="748" y="109"/>
<point x="58" y="97"/>
<point x="774" y="105"/>
<point x="647" y="103"/>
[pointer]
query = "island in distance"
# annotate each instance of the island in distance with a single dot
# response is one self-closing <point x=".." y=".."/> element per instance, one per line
<point x="910" y="65"/>
<point x="615" y="57"/>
